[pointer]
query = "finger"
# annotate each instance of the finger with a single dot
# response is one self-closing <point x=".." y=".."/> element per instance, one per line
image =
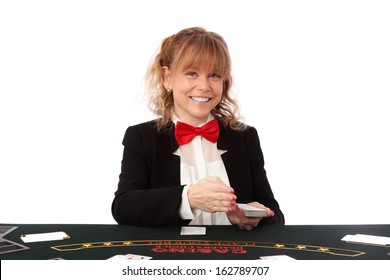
<point x="221" y="187"/>
<point x="216" y="196"/>
<point x="270" y="213"/>
<point x="228" y="197"/>
<point x="224" y="209"/>
<point x="223" y="206"/>
<point x="248" y="227"/>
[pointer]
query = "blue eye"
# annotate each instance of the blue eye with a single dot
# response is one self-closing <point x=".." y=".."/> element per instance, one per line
<point x="191" y="73"/>
<point x="216" y="76"/>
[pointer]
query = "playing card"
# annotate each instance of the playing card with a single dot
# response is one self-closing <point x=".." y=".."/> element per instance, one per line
<point x="129" y="257"/>
<point x="48" y="236"/>
<point x="193" y="231"/>
<point x="277" y="257"/>
<point x="367" y="239"/>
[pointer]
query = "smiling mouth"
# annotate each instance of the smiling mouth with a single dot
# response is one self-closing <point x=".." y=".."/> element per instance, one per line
<point x="200" y="99"/>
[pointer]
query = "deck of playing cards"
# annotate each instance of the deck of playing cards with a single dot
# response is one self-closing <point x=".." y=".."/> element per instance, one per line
<point x="251" y="211"/>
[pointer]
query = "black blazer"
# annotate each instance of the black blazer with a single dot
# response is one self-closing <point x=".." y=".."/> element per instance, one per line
<point x="149" y="190"/>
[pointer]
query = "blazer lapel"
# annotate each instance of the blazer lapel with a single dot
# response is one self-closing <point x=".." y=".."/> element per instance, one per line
<point x="227" y="141"/>
<point x="171" y="137"/>
<point x="173" y="161"/>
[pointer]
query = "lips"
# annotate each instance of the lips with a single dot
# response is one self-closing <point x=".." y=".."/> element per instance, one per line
<point x="200" y="99"/>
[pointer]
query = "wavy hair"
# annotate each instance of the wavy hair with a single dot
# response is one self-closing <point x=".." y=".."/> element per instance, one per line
<point x="189" y="48"/>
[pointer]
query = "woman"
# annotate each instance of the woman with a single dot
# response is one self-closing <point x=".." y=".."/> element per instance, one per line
<point x="171" y="172"/>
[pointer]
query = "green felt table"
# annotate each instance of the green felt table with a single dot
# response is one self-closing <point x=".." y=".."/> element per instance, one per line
<point x="302" y="242"/>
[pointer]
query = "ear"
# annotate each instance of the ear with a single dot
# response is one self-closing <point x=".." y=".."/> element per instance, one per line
<point x="167" y="78"/>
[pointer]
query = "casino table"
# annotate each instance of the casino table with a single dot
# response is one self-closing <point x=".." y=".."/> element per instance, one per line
<point x="94" y="242"/>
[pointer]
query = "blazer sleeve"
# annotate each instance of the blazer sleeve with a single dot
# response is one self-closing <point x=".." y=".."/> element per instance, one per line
<point x="261" y="188"/>
<point x="146" y="194"/>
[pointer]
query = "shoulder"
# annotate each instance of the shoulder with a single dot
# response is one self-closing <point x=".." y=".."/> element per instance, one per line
<point x="245" y="138"/>
<point x="242" y="131"/>
<point x="144" y="132"/>
<point x="145" y="126"/>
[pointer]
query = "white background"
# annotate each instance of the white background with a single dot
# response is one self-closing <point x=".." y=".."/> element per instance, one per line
<point x="312" y="76"/>
<point x="276" y="270"/>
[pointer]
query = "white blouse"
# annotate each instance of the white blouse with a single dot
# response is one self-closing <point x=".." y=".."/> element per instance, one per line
<point x="200" y="158"/>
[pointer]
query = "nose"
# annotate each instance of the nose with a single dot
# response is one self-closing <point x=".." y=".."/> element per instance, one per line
<point x="203" y="83"/>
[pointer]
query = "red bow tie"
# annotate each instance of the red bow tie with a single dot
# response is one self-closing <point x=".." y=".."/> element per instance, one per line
<point x="184" y="132"/>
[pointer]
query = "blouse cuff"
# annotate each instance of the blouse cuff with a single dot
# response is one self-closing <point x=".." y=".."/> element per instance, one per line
<point x="185" y="211"/>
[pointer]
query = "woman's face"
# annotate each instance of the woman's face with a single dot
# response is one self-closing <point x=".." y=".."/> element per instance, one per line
<point x="195" y="93"/>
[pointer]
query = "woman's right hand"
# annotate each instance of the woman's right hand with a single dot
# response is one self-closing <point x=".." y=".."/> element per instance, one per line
<point x="212" y="195"/>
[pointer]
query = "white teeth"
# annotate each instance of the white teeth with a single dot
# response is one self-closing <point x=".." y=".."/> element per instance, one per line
<point x="200" y="99"/>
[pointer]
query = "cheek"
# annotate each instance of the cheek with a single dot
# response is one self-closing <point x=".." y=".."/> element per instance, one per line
<point x="217" y="100"/>
<point x="218" y="92"/>
<point x="182" y="87"/>
<point x="218" y="96"/>
<point x="218" y="89"/>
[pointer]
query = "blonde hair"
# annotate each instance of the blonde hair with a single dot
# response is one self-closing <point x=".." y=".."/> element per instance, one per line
<point x="189" y="48"/>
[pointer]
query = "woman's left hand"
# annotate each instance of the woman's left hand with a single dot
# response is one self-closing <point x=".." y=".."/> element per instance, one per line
<point x="238" y="218"/>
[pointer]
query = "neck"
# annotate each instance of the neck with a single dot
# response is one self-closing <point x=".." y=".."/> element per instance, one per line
<point x="193" y="122"/>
